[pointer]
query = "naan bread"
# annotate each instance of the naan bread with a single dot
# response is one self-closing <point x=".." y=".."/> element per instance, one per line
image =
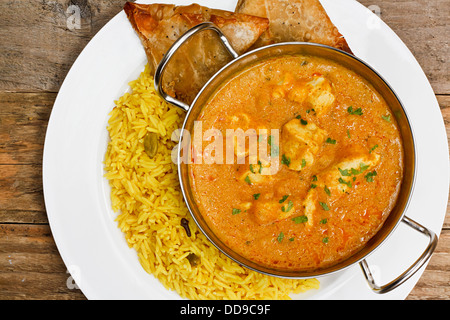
<point x="294" y="20"/>
<point x="160" y="25"/>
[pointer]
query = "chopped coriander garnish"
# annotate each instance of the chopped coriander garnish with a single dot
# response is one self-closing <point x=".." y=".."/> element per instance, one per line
<point x="260" y="167"/>
<point x="291" y="239"/>
<point x="256" y="196"/>
<point x="363" y="167"/>
<point x="357" y="112"/>
<point x="325" y="240"/>
<point x="331" y="141"/>
<point x="247" y="179"/>
<point x="273" y="147"/>
<point x="236" y="211"/>
<point x="370" y="175"/>
<point x="314" y="178"/>
<point x="283" y="198"/>
<point x="348" y="183"/>
<point x="300" y="219"/>
<point x="387" y="118"/>
<point x="345" y="172"/>
<point x="323" y="221"/>
<point x="290" y="205"/>
<point x="303" y="163"/>
<point x="373" y="148"/>
<point x="313" y="186"/>
<point x="251" y="168"/>
<point x="348" y="134"/>
<point x="324" y="206"/>
<point x="285" y="160"/>
<point x="280" y="237"/>
<point x="303" y="122"/>
<point x="327" y="191"/>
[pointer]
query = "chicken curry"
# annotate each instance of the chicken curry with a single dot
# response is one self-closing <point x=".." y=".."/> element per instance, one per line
<point x="340" y="164"/>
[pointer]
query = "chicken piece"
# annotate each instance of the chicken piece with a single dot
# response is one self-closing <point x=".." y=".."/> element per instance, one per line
<point x="300" y="143"/>
<point x="283" y="87"/>
<point x="339" y="177"/>
<point x="257" y="174"/>
<point x="242" y="139"/>
<point x="317" y="93"/>
<point x="269" y="211"/>
<point x="320" y="97"/>
<point x="309" y="205"/>
<point x="336" y="181"/>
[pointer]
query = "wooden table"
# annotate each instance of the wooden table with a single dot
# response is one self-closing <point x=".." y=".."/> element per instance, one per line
<point x="36" y="51"/>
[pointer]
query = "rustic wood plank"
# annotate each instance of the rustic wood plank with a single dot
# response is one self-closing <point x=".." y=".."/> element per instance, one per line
<point x="30" y="265"/>
<point x="38" y="48"/>
<point x="435" y="281"/>
<point x="23" y="123"/>
<point x="423" y="26"/>
<point x="21" y="195"/>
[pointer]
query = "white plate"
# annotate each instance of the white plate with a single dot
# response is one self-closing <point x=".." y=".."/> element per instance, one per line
<point x="77" y="196"/>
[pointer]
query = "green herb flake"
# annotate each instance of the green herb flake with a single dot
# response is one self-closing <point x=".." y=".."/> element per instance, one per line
<point x="291" y="239"/>
<point x="387" y="118"/>
<point x="303" y="122"/>
<point x="327" y="191"/>
<point x="363" y="167"/>
<point x="323" y="221"/>
<point x="314" y="178"/>
<point x="303" y="163"/>
<point x="373" y="148"/>
<point x="273" y="147"/>
<point x="260" y="166"/>
<point x="283" y="199"/>
<point x="348" y="134"/>
<point x="325" y="240"/>
<point x="348" y="183"/>
<point x="357" y="112"/>
<point x="247" y="179"/>
<point x="370" y="175"/>
<point x="236" y="211"/>
<point x="324" y="206"/>
<point x="251" y="168"/>
<point x="331" y="141"/>
<point x="345" y="172"/>
<point x="280" y="237"/>
<point x="300" y="219"/>
<point x="313" y="186"/>
<point x="285" y="160"/>
<point x="256" y="196"/>
<point x="287" y="208"/>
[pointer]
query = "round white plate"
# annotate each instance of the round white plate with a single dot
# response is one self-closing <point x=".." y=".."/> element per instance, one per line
<point x="77" y="195"/>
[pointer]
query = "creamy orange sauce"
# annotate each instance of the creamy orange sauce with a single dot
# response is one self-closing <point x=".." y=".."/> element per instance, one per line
<point x="341" y="164"/>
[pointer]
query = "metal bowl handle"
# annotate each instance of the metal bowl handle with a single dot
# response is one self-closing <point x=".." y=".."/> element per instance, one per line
<point x="177" y="44"/>
<point x="412" y="269"/>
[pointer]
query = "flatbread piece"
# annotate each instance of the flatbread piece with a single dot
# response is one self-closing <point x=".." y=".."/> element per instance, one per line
<point x="294" y="20"/>
<point x="160" y="25"/>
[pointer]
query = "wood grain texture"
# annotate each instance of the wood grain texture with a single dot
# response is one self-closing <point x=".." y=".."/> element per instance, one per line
<point x="36" y="51"/>
<point x="423" y="26"/>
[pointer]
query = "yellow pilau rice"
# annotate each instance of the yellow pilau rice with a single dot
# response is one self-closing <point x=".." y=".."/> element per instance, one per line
<point x="146" y="194"/>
